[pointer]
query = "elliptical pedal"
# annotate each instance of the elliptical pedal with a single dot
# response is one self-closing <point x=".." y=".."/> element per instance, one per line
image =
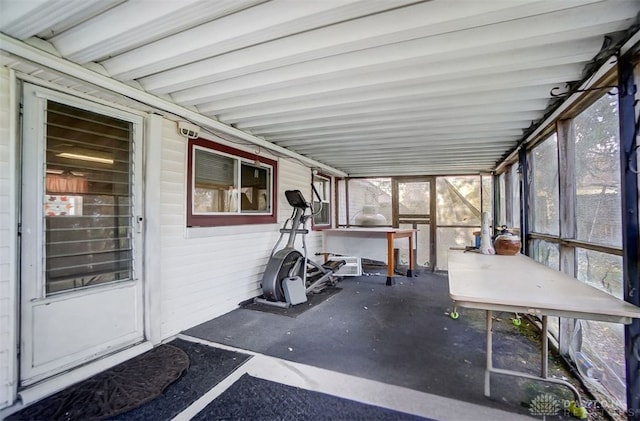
<point x="334" y="265"/>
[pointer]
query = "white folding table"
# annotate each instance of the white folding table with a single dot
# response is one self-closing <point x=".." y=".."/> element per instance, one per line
<point x="519" y="284"/>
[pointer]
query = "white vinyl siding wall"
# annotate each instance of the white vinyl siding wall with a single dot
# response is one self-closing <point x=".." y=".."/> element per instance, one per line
<point x="204" y="272"/>
<point x="7" y="250"/>
<point x="207" y="272"/>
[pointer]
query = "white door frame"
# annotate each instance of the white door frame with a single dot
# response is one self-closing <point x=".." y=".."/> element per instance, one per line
<point x="44" y="385"/>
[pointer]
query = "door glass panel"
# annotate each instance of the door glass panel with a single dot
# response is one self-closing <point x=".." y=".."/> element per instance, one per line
<point x="414" y="198"/>
<point x="421" y="244"/>
<point x="87" y="200"/>
<point x="414" y="205"/>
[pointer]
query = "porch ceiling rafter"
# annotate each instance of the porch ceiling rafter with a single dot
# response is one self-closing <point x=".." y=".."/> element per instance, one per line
<point x="290" y="113"/>
<point x="403" y="23"/>
<point x="286" y="75"/>
<point x="408" y="122"/>
<point x="463" y="134"/>
<point x="57" y="64"/>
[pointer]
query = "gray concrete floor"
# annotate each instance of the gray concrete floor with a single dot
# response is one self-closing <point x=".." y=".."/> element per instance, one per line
<point x="351" y="387"/>
<point x="398" y="338"/>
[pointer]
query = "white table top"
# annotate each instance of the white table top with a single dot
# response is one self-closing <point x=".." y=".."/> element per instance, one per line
<point x="369" y="230"/>
<point x="520" y="284"/>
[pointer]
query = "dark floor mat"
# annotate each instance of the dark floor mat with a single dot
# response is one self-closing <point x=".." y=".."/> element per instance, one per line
<point x="251" y="398"/>
<point x="208" y="367"/>
<point x="313" y="300"/>
<point x="115" y="391"/>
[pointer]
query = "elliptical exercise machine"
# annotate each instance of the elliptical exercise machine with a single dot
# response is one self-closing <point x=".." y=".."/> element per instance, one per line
<point x="290" y="275"/>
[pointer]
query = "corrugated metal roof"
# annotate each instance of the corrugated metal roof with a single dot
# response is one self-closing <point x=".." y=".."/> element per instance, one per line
<point x="369" y="87"/>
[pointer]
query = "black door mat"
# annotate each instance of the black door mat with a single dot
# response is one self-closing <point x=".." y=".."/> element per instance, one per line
<point x="313" y="300"/>
<point x="208" y="367"/>
<point x="251" y="398"/>
<point x="117" y="390"/>
<point x="133" y="390"/>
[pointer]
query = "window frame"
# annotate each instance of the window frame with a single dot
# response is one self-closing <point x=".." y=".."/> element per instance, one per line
<point x="535" y="202"/>
<point x="220" y="219"/>
<point x="327" y="202"/>
<point x="568" y="244"/>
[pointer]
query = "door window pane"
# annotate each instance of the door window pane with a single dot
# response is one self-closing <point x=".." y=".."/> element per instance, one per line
<point x="598" y="173"/>
<point x="422" y="246"/>
<point x="414" y="208"/>
<point x="414" y="198"/>
<point x="87" y="200"/>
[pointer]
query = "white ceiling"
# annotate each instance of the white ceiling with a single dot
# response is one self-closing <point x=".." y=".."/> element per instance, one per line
<point x="369" y="87"/>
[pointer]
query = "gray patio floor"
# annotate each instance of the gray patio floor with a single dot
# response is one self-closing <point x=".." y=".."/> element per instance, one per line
<point x="397" y="337"/>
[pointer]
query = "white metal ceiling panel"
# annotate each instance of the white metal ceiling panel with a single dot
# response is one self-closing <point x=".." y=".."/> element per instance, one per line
<point x="134" y="23"/>
<point x="368" y="87"/>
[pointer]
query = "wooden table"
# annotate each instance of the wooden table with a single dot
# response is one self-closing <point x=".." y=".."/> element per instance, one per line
<point x="364" y="242"/>
<point x="519" y="284"/>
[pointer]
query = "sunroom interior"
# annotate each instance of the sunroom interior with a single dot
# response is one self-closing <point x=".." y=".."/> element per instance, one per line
<point x="402" y="114"/>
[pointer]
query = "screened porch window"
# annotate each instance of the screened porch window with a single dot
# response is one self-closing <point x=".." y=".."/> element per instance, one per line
<point x="589" y="242"/>
<point x="228" y="186"/>
<point x="544" y="169"/>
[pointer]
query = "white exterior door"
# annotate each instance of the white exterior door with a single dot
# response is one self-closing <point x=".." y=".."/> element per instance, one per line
<point x="81" y="272"/>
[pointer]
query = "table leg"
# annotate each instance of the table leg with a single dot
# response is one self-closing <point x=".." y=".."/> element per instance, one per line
<point x="576" y="408"/>
<point x="545" y="348"/>
<point x="489" y="355"/>
<point x="411" y="262"/>
<point x="390" y="260"/>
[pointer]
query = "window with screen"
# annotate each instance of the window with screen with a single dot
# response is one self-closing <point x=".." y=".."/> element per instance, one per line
<point x="322" y="205"/>
<point x="228" y="186"/>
